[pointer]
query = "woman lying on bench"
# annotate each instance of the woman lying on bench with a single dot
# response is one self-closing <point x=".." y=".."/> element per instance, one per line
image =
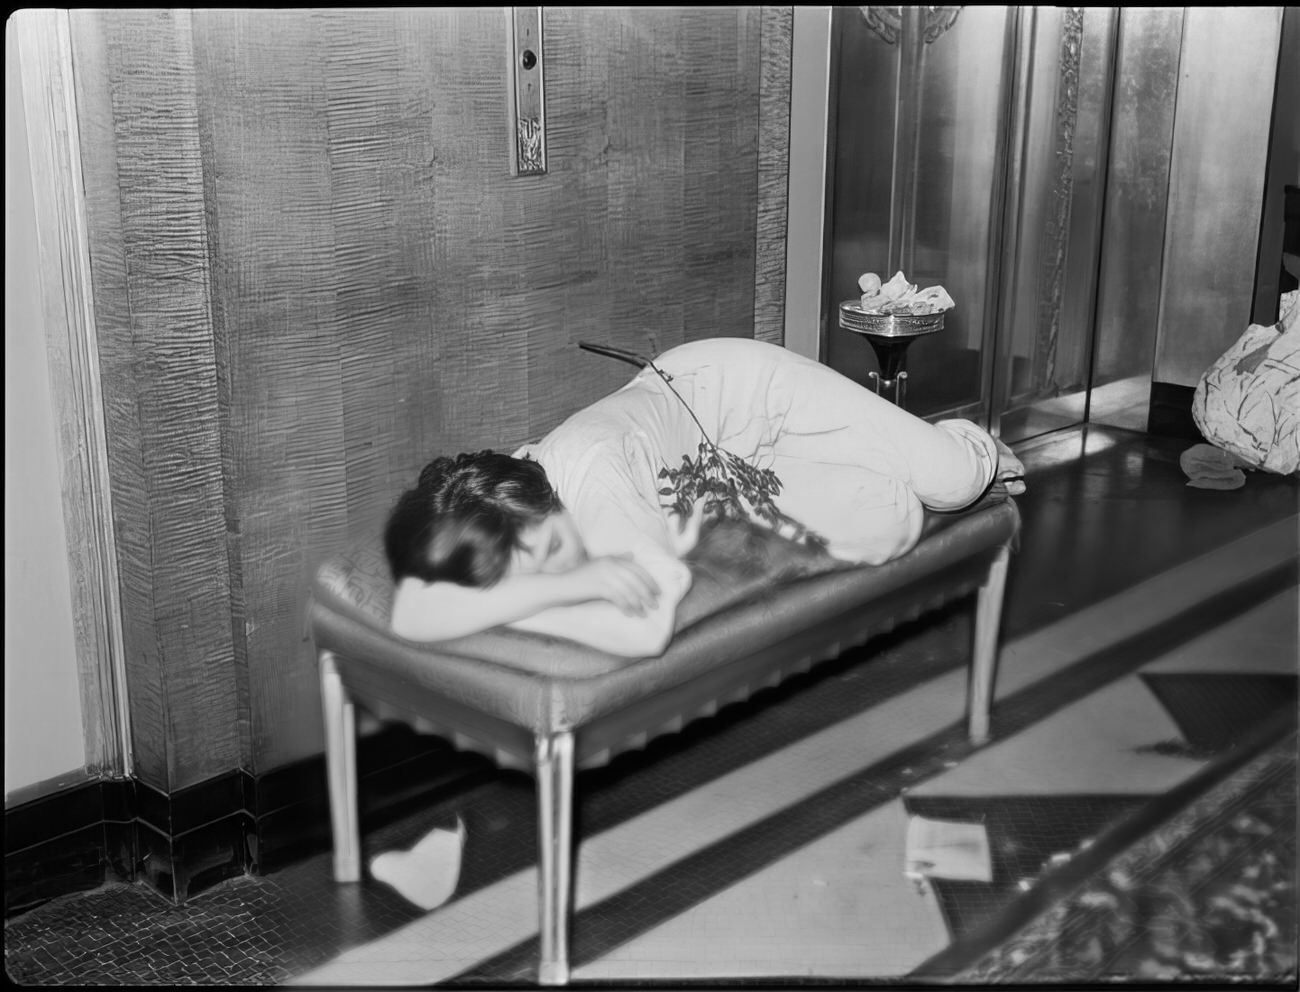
<point x="579" y="535"/>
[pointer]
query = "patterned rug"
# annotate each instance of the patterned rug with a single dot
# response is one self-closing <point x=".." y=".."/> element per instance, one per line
<point x="1210" y="895"/>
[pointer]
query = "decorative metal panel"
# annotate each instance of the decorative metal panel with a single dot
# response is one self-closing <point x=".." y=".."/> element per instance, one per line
<point x="1056" y="230"/>
<point x="887" y="22"/>
<point x="1225" y="90"/>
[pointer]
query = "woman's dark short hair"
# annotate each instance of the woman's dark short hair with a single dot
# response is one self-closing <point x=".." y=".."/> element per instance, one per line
<point x="465" y="516"/>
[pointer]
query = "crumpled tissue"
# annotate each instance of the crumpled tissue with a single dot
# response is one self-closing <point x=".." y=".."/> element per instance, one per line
<point x="898" y="296"/>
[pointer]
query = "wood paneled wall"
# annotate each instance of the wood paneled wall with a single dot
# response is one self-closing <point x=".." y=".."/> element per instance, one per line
<point x="313" y="272"/>
<point x="775" y="87"/>
<point x="143" y="169"/>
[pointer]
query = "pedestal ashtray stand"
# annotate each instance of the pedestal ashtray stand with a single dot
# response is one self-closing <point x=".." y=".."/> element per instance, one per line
<point x="889" y="334"/>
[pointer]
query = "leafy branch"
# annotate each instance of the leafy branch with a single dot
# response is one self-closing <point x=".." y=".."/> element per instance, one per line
<point x="728" y="485"/>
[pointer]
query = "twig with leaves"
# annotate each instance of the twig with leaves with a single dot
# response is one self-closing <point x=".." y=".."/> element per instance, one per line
<point x="728" y="485"/>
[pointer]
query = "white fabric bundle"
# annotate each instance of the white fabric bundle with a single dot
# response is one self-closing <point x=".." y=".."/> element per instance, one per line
<point x="1248" y="402"/>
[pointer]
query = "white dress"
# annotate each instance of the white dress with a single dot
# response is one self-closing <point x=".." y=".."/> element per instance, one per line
<point x="854" y="468"/>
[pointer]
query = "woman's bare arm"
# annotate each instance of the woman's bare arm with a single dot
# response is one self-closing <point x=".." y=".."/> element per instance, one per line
<point x="601" y="625"/>
<point x="439" y="611"/>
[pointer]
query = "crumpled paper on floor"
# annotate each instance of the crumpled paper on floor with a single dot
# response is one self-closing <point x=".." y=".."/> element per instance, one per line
<point x="427" y="873"/>
<point x="1208" y="467"/>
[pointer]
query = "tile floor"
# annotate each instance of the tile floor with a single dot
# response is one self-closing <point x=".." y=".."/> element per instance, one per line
<point x="1149" y="664"/>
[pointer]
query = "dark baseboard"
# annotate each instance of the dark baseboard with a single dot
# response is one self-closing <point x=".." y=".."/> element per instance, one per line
<point x="1170" y="412"/>
<point x="181" y="843"/>
<point x="72" y="862"/>
<point x="180" y="865"/>
<point x="397" y="771"/>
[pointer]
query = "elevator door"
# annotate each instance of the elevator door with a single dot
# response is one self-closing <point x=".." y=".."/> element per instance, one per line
<point x="970" y="146"/>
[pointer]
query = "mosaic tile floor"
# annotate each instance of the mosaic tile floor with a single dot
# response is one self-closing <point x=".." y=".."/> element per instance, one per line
<point x="767" y="842"/>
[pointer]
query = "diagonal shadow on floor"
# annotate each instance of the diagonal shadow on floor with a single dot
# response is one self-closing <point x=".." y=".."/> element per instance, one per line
<point x="1214" y="709"/>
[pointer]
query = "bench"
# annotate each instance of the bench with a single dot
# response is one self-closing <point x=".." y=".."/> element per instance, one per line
<point x="760" y="609"/>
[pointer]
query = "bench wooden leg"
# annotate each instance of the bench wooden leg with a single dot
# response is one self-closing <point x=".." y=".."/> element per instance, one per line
<point x="341" y="767"/>
<point x="988" y="619"/>
<point x="555" y="835"/>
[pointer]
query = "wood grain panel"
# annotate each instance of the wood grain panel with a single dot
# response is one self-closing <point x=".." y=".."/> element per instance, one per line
<point x="773" y="172"/>
<point x="615" y="113"/>
<point x="720" y="171"/>
<point x="478" y="329"/>
<point x="378" y="208"/>
<point x="117" y="379"/>
<point x="161" y="407"/>
<point x="164" y="226"/>
<point x="278" y="281"/>
<point x="382" y="290"/>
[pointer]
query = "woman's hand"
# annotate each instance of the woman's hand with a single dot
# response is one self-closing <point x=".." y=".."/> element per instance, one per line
<point x="615" y="579"/>
<point x="688" y="532"/>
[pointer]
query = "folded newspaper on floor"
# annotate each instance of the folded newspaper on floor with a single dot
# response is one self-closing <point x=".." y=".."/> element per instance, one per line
<point x="947" y="849"/>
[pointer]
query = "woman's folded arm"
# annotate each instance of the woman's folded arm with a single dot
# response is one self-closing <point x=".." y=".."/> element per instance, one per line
<point x="439" y="611"/>
<point x="613" y="603"/>
<point x="603" y="626"/>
